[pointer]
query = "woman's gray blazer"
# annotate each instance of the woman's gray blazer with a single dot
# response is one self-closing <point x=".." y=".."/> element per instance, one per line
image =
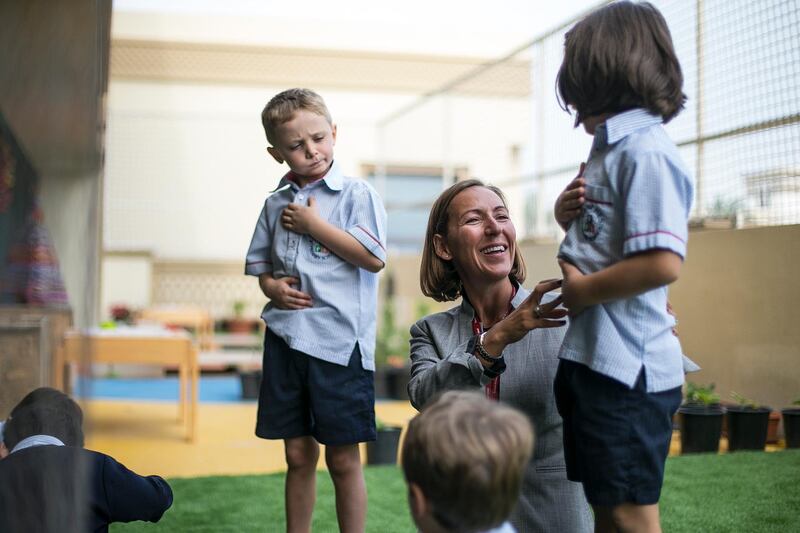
<point x="548" y="502"/>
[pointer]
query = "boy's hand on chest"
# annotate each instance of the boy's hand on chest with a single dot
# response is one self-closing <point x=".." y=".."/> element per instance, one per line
<point x="301" y="218"/>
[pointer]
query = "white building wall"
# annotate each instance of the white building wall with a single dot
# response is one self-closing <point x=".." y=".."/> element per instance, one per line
<point x="187" y="169"/>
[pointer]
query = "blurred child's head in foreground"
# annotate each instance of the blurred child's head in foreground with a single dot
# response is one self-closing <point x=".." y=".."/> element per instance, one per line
<point x="464" y="457"/>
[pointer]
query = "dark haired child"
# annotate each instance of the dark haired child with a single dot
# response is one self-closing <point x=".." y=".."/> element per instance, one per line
<point x="621" y="370"/>
<point x="50" y="484"/>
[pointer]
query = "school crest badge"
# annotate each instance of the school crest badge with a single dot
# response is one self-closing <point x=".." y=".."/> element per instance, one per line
<point x="591" y="222"/>
<point x="318" y="250"/>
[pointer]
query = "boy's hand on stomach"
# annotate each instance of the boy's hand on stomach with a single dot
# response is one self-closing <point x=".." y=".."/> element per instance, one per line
<point x="300" y="218"/>
<point x="282" y="292"/>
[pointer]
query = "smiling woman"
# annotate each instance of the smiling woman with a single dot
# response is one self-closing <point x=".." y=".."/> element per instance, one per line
<point x="501" y="339"/>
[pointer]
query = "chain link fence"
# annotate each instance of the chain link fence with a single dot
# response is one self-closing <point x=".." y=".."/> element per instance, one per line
<point x="739" y="132"/>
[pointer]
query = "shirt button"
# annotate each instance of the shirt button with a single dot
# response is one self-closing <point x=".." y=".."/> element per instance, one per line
<point x="300" y="196"/>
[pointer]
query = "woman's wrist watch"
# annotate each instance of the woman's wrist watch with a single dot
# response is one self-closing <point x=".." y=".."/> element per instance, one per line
<point x="498" y="363"/>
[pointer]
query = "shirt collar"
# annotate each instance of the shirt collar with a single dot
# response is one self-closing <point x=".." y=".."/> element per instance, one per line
<point x="620" y="126"/>
<point x="333" y="179"/>
<point x="37" y="440"/>
<point x="505" y="527"/>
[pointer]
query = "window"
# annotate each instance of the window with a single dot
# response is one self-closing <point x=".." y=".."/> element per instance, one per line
<point x="408" y="193"/>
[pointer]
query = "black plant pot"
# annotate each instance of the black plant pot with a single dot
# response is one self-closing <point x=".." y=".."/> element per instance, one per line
<point x="397" y="382"/>
<point x="747" y="428"/>
<point x="251" y="384"/>
<point x="701" y="427"/>
<point x="380" y="382"/>
<point x="791" y="427"/>
<point x="383" y="450"/>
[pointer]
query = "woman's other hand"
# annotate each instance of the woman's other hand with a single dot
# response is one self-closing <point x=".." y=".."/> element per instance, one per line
<point x="570" y="201"/>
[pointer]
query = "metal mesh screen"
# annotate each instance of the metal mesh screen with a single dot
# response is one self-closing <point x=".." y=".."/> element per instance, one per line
<point x="739" y="133"/>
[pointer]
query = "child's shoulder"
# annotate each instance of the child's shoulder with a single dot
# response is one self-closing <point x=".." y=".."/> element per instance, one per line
<point x="647" y="144"/>
<point x="649" y="140"/>
<point x="359" y="192"/>
<point x="277" y="194"/>
<point x="357" y="185"/>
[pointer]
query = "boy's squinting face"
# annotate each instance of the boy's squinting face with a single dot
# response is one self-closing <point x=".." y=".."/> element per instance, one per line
<point x="306" y="144"/>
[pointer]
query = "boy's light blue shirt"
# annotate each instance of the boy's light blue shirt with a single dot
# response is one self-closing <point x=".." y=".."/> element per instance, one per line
<point x="344" y="296"/>
<point x="638" y="198"/>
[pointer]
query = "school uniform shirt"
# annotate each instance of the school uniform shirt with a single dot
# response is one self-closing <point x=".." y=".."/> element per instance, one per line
<point x="638" y="198"/>
<point x="505" y="527"/>
<point x="344" y="296"/>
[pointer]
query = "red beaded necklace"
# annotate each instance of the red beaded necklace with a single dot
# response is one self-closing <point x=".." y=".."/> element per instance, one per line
<point x="492" y="389"/>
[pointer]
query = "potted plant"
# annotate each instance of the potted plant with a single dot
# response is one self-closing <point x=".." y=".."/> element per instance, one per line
<point x="791" y="424"/>
<point x="748" y="423"/>
<point x="700" y="419"/>
<point x="391" y="357"/>
<point x="250" y="381"/>
<point x="121" y="314"/>
<point x="383" y="450"/>
<point x="239" y="324"/>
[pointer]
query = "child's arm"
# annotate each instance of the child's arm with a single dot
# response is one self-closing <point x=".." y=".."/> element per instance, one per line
<point x="656" y="193"/>
<point x="306" y="220"/>
<point x="570" y="201"/>
<point x="281" y="292"/>
<point x="633" y="275"/>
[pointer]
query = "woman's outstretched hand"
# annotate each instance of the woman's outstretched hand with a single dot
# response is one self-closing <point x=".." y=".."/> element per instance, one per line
<point x="530" y="314"/>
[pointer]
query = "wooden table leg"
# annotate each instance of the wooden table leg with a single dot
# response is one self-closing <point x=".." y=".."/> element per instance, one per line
<point x="183" y="379"/>
<point x="58" y="369"/>
<point x="194" y="384"/>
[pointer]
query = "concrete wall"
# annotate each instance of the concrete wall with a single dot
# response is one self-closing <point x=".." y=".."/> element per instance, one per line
<point x="736" y="302"/>
<point x="53" y="63"/>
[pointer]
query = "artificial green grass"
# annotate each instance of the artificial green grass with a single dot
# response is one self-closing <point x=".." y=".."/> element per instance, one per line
<point x="743" y="491"/>
<point x="735" y="492"/>
<point x="228" y="504"/>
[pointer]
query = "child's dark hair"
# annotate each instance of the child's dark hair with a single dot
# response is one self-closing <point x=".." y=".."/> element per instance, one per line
<point x="45" y="411"/>
<point x="620" y="57"/>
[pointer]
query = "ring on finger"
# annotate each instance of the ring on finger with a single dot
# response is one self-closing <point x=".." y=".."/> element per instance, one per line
<point x="537" y="311"/>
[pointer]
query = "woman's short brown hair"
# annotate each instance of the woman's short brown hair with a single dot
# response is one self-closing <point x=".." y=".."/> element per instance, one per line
<point x="472" y="485"/>
<point x="620" y="57"/>
<point x="438" y="278"/>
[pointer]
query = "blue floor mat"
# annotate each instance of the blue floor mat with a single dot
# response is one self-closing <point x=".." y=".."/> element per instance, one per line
<point x="212" y="389"/>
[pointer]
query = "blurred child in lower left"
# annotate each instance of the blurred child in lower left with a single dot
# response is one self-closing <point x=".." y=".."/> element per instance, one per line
<point x="50" y="484"/>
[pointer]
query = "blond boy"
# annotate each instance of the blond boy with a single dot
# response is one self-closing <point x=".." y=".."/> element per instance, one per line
<point x="317" y="247"/>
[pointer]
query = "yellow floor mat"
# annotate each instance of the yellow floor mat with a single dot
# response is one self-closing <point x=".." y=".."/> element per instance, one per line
<point x="147" y="437"/>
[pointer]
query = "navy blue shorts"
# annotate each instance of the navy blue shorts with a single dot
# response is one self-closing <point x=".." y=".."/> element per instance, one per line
<point x="616" y="439"/>
<point x="305" y="396"/>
